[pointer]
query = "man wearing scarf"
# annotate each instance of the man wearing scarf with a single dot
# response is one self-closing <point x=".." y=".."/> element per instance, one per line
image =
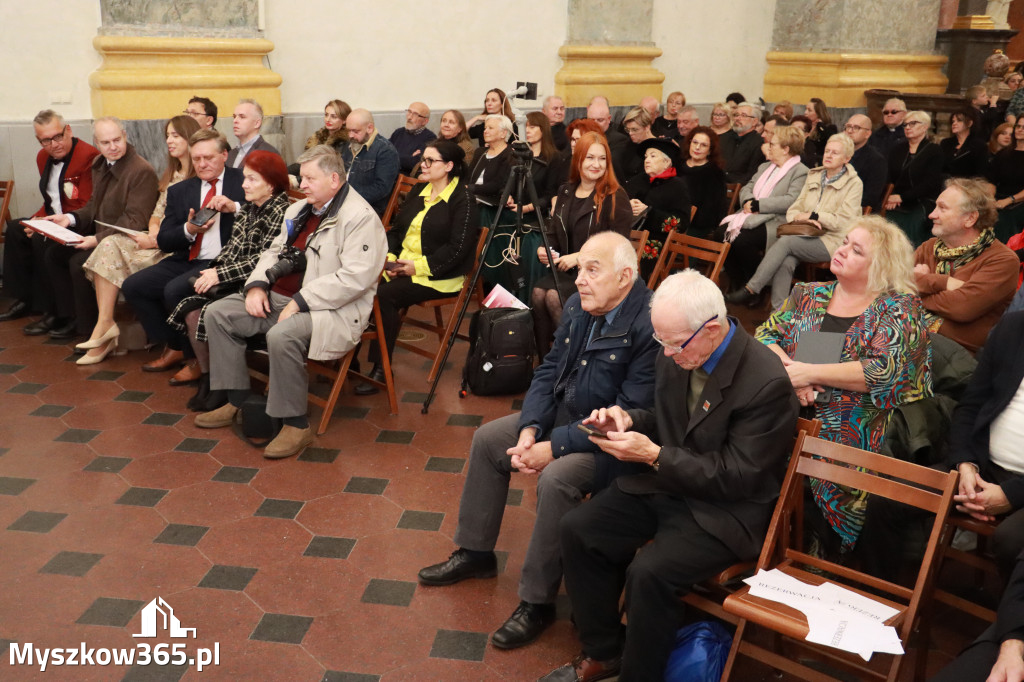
<point x="965" y="276"/>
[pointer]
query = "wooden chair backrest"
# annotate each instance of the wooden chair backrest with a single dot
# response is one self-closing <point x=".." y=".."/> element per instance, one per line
<point x="639" y="240"/>
<point x="6" y="192"/>
<point x="885" y="198"/>
<point x="403" y="185"/>
<point x="732" y="192"/>
<point x="709" y="253"/>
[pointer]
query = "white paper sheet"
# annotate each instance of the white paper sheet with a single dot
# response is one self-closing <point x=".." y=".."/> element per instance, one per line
<point x="837" y="617"/>
<point x="127" y="230"/>
<point x="54" y="231"/>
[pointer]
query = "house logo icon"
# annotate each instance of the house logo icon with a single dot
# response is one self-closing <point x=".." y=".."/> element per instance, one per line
<point x="158" y="611"/>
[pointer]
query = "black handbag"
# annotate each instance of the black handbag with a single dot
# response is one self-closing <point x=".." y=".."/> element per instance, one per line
<point x="501" y="351"/>
<point x="256" y="427"/>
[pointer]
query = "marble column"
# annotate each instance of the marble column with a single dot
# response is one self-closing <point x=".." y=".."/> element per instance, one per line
<point x="157" y="54"/>
<point x="838" y="49"/>
<point x="608" y="51"/>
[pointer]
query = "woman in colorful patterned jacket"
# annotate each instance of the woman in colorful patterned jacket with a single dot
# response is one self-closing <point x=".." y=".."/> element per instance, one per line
<point x="885" y="360"/>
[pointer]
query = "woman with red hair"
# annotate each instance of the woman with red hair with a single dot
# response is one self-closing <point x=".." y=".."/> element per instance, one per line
<point x="260" y="219"/>
<point x="591" y="202"/>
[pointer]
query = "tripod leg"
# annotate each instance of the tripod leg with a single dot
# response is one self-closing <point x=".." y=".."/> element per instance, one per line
<point x="543" y="234"/>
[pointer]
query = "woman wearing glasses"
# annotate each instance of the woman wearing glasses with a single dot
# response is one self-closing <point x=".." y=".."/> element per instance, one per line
<point x="431" y="245"/>
<point x="884" y="361"/>
<point x="1006" y="172"/>
<point x="915" y="171"/>
<point x="721" y="118"/>
<point x="637" y="125"/>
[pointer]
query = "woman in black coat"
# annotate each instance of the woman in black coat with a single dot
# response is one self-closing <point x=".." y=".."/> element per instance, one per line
<point x="966" y="153"/>
<point x="915" y="171"/>
<point x="431" y="245"/>
<point x="702" y="169"/>
<point x="659" y="198"/>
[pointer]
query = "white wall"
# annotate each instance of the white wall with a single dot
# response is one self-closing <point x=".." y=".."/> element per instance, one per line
<point x="384" y="55"/>
<point x="713" y="48"/>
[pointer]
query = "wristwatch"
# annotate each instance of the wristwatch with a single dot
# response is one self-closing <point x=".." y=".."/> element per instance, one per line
<point x="656" y="464"/>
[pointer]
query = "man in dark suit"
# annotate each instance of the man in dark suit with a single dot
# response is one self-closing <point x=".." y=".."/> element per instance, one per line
<point x="154" y="291"/>
<point x="65" y="181"/>
<point x="741" y="146"/>
<point x="247" y="122"/>
<point x="716" y="443"/>
<point x="998" y="655"/>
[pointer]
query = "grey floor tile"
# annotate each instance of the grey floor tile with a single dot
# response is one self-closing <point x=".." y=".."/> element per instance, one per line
<point x="201" y="445"/>
<point x="221" y="577"/>
<point x="329" y="548"/>
<point x="235" y="474"/>
<point x="389" y="592"/>
<point x="50" y="411"/>
<point x="108" y="465"/>
<point x="421" y="520"/>
<point x="37" y="522"/>
<point x="320" y="455"/>
<point x="279" y="627"/>
<point x="279" y="509"/>
<point x="366" y="486"/>
<point x="71" y="563"/>
<point x="181" y="534"/>
<point x="462" y="646"/>
<point x="447" y="465"/>
<point x="398" y="437"/>
<point x="77" y="436"/>
<point x="163" y="419"/>
<point x="142" y="497"/>
<point x="14" y="486"/>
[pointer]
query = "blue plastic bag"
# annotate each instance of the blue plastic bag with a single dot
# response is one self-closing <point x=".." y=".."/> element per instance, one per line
<point x="700" y="653"/>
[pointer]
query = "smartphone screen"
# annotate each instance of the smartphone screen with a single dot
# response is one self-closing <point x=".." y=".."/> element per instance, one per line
<point x="591" y="431"/>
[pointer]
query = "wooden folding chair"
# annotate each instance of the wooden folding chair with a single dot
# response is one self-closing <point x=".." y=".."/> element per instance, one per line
<point x="402" y="187"/>
<point x="911" y="484"/>
<point x="639" y="240"/>
<point x="732" y="193"/>
<point x="708" y="595"/>
<point x="711" y="255"/>
<point x="6" y="192"/>
<point x="295" y="195"/>
<point x="336" y="371"/>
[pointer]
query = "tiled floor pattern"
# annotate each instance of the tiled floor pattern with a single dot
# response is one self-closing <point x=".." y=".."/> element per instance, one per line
<point x="297" y="569"/>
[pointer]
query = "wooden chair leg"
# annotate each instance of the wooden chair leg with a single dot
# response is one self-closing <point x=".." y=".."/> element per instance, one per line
<point x="734" y="649"/>
<point x="385" y="359"/>
<point x="449" y="330"/>
<point x="332" y="397"/>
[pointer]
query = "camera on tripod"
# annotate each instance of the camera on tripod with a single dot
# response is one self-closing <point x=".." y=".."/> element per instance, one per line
<point x="290" y="260"/>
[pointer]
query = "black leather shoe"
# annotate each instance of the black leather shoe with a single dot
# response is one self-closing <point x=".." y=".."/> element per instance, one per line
<point x="741" y="296"/>
<point x="65" y="329"/>
<point x="460" y="566"/>
<point x="40" y="326"/>
<point x="524" y="625"/>
<point x="18" y="310"/>
<point x="369" y="389"/>
<point x="196" y="402"/>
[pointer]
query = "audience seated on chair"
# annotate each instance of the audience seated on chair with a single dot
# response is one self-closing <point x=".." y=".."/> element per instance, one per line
<point x="1006" y="172"/>
<point x="125" y="192"/>
<point x="703" y="172"/>
<point x="318" y="312"/>
<point x="965" y="276"/>
<point x="371" y="160"/>
<point x="822" y="127"/>
<point x="153" y="292"/>
<point x="871" y="166"/>
<point x="666" y="125"/>
<point x="203" y="110"/>
<point x="637" y="124"/>
<point x="884" y="360"/>
<point x="599" y="111"/>
<point x="120" y="255"/>
<point x="966" y="150"/>
<point x="885" y="137"/>
<point x="915" y="171"/>
<point x="713" y="449"/>
<point x="554" y="109"/>
<point x="410" y="140"/>
<point x="65" y="181"/>
<point x="430" y="246"/>
<point x="741" y="146"/>
<point x="604" y="355"/>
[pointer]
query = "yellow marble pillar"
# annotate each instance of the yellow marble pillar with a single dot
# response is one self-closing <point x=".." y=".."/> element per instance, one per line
<point x="146" y="77"/>
<point x="841" y="78"/>
<point x="623" y="73"/>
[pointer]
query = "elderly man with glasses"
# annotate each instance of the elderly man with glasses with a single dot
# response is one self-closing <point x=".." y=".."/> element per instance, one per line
<point x="741" y="146"/>
<point x="411" y="140"/>
<point x="714" y="446"/>
<point x="891" y="130"/>
<point x="872" y="168"/>
<point x="65" y="181"/>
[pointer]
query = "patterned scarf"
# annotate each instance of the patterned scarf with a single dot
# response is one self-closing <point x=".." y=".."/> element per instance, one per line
<point x="948" y="259"/>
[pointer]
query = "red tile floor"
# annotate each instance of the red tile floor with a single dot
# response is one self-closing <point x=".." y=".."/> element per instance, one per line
<point x="298" y="569"/>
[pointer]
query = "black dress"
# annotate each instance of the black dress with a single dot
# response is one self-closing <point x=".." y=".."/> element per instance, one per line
<point x="968" y="161"/>
<point x="663" y="127"/>
<point x="666" y="199"/>
<point x="706" y="185"/>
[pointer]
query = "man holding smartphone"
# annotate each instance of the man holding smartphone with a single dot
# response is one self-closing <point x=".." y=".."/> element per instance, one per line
<point x="603" y="352"/>
<point x="154" y="292"/>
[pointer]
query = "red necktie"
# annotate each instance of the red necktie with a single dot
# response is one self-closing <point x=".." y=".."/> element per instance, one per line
<point x="193" y="252"/>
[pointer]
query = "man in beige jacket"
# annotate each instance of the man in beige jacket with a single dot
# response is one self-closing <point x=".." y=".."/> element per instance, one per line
<point x="317" y="312"/>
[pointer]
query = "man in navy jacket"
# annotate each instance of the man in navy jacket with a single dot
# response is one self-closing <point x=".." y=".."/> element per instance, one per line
<point x="155" y="291"/>
<point x="603" y="351"/>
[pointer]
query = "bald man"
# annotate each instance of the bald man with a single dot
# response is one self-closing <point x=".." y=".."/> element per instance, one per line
<point x="411" y="140"/>
<point x="371" y="160"/>
<point x="869" y="163"/>
<point x="599" y="111"/>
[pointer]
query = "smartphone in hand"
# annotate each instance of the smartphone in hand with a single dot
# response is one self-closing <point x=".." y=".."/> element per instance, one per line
<point x="591" y="431"/>
<point x="203" y="216"/>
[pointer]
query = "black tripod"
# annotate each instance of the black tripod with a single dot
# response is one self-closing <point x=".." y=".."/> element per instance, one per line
<point x="521" y="181"/>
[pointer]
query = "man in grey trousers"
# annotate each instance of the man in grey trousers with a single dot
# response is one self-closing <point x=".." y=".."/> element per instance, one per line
<point x="603" y="350"/>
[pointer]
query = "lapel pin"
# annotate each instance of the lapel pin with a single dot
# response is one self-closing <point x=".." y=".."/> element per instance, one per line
<point x="707" y="406"/>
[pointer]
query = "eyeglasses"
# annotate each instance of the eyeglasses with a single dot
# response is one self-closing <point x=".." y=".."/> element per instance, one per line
<point x="427" y="162"/>
<point x="850" y="128"/>
<point x="47" y="141"/>
<point x="676" y="350"/>
<point x="633" y="130"/>
<point x="892" y="112"/>
<point x="911" y="124"/>
<point x="742" y="115"/>
<point x="193" y="114"/>
<point x="415" y="113"/>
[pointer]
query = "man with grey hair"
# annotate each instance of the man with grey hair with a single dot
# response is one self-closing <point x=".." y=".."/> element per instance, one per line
<point x="318" y="312"/>
<point x="247" y="122"/>
<point x="554" y="109"/>
<point x="603" y="354"/>
<point x="714" y="451"/>
<point x="410" y="140"/>
<point x="371" y="160"/>
<point x="65" y="181"/>
<point x="741" y="146"/>
<point x="686" y="120"/>
<point x="872" y="168"/>
<point x="125" y="190"/>
<point x="651" y="105"/>
<point x="965" y="276"/>
<point x="891" y="131"/>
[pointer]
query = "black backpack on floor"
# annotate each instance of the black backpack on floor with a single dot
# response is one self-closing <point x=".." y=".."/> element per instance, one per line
<point x="501" y="350"/>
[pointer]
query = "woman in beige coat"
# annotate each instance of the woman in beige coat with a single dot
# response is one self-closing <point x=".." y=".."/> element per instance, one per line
<point x="830" y="200"/>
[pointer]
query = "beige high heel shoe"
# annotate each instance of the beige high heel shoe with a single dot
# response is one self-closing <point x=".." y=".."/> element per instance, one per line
<point x="111" y="333"/>
<point x="94" y="359"/>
